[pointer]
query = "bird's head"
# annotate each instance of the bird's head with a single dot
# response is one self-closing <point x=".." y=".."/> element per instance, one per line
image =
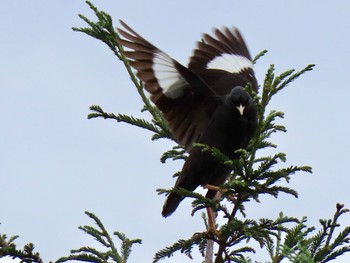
<point x="240" y="102"/>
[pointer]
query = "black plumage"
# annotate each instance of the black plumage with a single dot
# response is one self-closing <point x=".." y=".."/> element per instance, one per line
<point x="203" y="103"/>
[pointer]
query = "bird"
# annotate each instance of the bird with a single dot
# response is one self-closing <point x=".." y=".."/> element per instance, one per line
<point x="205" y="102"/>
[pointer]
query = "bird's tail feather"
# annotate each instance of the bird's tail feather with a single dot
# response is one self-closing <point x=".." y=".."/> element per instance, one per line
<point x="171" y="204"/>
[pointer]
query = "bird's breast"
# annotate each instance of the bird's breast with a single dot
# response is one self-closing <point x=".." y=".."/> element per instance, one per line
<point x="228" y="134"/>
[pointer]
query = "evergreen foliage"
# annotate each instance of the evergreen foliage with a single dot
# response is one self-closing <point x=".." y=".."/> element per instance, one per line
<point x="253" y="175"/>
<point x="101" y="235"/>
<point x="9" y="249"/>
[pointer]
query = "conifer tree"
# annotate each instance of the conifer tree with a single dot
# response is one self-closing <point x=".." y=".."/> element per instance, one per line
<point x="253" y="176"/>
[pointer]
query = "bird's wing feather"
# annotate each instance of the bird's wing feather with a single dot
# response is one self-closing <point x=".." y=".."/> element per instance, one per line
<point x="185" y="101"/>
<point x="223" y="61"/>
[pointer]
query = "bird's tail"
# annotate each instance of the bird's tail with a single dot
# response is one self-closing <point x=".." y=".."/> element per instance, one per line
<point x="171" y="203"/>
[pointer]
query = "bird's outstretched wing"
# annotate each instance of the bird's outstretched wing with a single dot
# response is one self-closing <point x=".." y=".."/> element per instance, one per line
<point x="198" y="101"/>
<point x="185" y="100"/>
<point x="223" y="61"/>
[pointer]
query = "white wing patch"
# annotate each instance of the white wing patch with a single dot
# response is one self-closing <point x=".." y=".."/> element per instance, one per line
<point x="169" y="79"/>
<point x="230" y="63"/>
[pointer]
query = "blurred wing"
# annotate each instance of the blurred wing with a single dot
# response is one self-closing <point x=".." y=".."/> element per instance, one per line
<point x="223" y="61"/>
<point x="186" y="102"/>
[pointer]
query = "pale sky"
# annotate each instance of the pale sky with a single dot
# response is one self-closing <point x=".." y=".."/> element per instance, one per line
<point x="55" y="164"/>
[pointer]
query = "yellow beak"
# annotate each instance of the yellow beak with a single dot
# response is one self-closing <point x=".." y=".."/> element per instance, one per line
<point x="240" y="108"/>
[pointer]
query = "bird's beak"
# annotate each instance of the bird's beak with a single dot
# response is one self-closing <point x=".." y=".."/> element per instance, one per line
<point x="240" y="108"/>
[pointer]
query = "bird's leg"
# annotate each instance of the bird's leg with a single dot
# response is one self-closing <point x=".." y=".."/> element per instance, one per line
<point x="210" y="212"/>
<point x="211" y="221"/>
<point x="216" y="188"/>
<point x="211" y="187"/>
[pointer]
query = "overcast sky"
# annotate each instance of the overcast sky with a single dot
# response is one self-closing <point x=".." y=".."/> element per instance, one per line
<point x="55" y="164"/>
